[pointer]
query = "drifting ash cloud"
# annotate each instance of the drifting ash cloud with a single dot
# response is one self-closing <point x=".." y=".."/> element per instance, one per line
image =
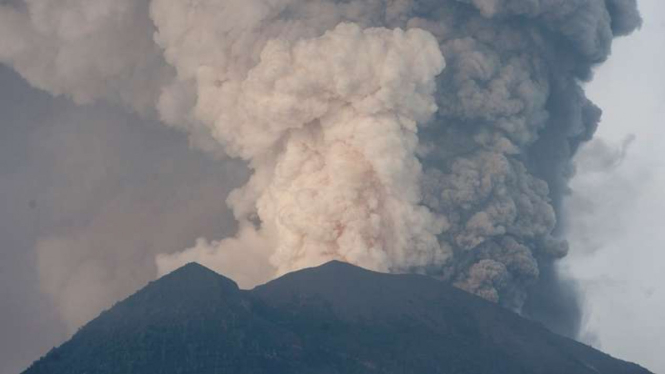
<point x="400" y="135"/>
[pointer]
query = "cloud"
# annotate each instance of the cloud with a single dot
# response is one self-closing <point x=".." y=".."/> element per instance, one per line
<point x="360" y="145"/>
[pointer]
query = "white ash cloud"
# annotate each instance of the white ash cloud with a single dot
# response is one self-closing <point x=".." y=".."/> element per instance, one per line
<point x="329" y="127"/>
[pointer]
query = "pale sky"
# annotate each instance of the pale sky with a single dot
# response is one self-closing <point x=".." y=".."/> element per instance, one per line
<point x="616" y="216"/>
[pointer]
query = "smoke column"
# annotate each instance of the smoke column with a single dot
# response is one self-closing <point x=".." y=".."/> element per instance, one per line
<point x="429" y="136"/>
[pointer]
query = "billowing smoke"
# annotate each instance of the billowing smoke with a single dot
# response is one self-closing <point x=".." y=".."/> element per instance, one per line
<point x="329" y="126"/>
<point x="430" y="136"/>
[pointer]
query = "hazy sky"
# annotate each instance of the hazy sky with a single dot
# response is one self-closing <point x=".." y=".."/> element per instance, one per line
<point x="97" y="186"/>
<point x="90" y="195"/>
<point x="616" y="213"/>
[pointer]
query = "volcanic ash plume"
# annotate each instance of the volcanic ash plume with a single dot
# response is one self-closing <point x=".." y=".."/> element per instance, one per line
<point x="329" y="126"/>
<point x="364" y="145"/>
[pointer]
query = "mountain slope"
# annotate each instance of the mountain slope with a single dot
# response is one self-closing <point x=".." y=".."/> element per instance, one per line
<point x="335" y="318"/>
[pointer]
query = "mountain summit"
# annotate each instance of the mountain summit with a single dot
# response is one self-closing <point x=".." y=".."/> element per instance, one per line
<point x="336" y="318"/>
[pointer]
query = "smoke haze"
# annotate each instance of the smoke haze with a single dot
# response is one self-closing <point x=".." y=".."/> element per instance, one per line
<point x="614" y="213"/>
<point x="400" y="135"/>
<point x="112" y="190"/>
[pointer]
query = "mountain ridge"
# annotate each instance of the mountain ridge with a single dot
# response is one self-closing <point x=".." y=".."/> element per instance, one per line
<point x="335" y="318"/>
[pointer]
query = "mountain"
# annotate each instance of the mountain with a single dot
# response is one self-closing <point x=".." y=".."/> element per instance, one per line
<point x="336" y="318"/>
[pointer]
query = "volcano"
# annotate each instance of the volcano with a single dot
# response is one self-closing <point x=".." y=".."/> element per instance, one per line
<point x="335" y="318"/>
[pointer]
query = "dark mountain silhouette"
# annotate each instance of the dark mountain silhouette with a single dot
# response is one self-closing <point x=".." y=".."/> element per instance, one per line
<point x="336" y="318"/>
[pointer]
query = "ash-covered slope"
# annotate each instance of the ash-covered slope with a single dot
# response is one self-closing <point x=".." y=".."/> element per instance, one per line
<point x="336" y="318"/>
